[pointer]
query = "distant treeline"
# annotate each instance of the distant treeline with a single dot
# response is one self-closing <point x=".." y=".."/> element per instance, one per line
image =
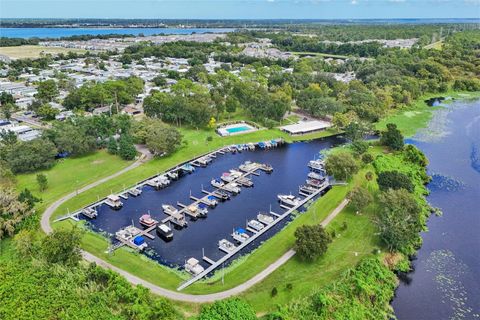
<point x="13" y="42"/>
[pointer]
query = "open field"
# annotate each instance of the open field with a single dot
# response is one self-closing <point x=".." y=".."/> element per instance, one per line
<point x="22" y="52"/>
<point x="71" y="174"/>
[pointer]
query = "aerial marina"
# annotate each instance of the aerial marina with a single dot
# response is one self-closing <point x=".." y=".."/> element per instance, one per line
<point x="187" y="207"/>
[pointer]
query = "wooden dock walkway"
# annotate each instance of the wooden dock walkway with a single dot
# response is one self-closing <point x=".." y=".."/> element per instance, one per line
<point x="252" y="238"/>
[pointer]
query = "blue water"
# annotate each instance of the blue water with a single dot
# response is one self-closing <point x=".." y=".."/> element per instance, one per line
<point x="290" y="171"/>
<point x="67" y="32"/>
<point x="446" y="280"/>
<point x="238" y="129"/>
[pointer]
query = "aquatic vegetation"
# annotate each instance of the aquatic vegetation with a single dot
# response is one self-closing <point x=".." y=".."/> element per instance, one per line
<point x="442" y="182"/>
<point x="447" y="271"/>
<point x="475" y="158"/>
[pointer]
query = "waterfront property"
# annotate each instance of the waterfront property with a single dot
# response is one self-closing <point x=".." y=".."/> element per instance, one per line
<point x="272" y="171"/>
<point x="235" y="128"/>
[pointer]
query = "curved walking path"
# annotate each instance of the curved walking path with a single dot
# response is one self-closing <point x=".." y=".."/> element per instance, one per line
<point x="174" y="295"/>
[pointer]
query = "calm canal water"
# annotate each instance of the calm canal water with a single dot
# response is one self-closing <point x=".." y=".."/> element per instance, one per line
<point x="290" y="171"/>
<point x="68" y="32"/>
<point x="446" y="280"/>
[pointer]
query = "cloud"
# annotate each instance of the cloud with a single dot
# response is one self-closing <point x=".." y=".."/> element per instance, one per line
<point x="354" y="2"/>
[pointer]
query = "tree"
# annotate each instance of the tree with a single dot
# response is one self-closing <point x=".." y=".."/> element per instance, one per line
<point x="112" y="145"/>
<point x="47" y="90"/>
<point x="355" y="131"/>
<point x="212" y="123"/>
<point x="392" y="138"/>
<point x="367" y="158"/>
<point x="229" y="309"/>
<point x="311" y="242"/>
<point x="13" y="212"/>
<point x="359" y="198"/>
<point x="71" y="138"/>
<point x="414" y="155"/>
<point x="26" y="243"/>
<point x="163" y="140"/>
<point x="42" y="182"/>
<point x="341" y="165"/>
<point x="28" y="198"/>
<point x="394" y="180"/>
<point x="5" y="98"/>
<point x="399" y="220"/>
<point x="126" y="148"/>
<point x="29" y="155"/>
<point x="360" y="146"/>
<point x="62" y="246"/>
<point x="47" y="112"/>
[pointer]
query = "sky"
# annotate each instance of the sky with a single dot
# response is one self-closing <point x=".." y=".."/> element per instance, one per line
<point x="240" y="9"/>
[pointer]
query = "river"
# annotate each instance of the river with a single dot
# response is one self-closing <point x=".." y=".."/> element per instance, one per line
<point x="68" y="32"/>
<point x="290" y="171"/>
<point x="445" y="283"/>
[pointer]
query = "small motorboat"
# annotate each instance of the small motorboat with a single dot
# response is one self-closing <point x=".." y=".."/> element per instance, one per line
<point x="169" y="209"/>
<point x="240" y="235"/>
<point x="265" y="218"/>
<point x="90" y="212"/>
<point x="289" y="200"/>
<point x="255" y="225"/>
<point x="146" y="220"/>
<point x="226" y="246"/>
<point x="217" y="183"/>
<point x="193" y="266"/>
<point x="165" y="232"/>
<point x="113" y="201"/>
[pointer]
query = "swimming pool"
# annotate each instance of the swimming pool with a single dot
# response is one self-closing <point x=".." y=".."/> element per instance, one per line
<point x="238" y="129"/>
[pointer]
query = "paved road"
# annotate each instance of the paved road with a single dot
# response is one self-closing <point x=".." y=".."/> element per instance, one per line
<point x="174" y="295"/>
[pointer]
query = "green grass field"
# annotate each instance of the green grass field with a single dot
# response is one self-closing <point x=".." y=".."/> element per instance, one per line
<point x="318" y="54"/>
<point x="22" y="52"/>
<point x="70" y="174"/>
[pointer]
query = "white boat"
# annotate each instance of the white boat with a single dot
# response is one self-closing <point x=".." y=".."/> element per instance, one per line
<point x="169" y="209"/>
<point x="211" y="201"/>
<point x="247" y="166"/>
<point x="235" y="173"/>
<point x="265" y="218"/>
<point x="316" y="165"/>
<point x="165" y="232"/>
<point x="127" y="233"/>
<point x="227" y="177"/>
<point x="193" y="266"/>
<point x="255" y="225"/>
<point x="155" y="183"/>
<point x="316" y="176"/>
<point x="240" y="235"/>
<point x="164" y="180"/>
<point x="90" y="212"/>
<point x="113" y="201"/>
<point x="172" y="175"/>
<point x="251" y="146"/>
<point x="226" y="246"/>
<point x="135" y="192"/>
<point x="308" y="189"/>
<point x="146" y="220"/>
<point x="246" y="182"/>
<point x="289" y="200"/>
<point x="232" y="187"/>
<point x="266" y="167"/>
<point x="217" y="183"/>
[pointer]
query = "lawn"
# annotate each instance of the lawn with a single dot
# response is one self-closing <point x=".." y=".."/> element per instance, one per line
<point x="70" y="174"/>
<point x="32" y="51"/>
<point x="325" y="55"/>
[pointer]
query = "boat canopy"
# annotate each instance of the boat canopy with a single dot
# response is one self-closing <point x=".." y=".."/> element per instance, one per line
<point x="138" y="240"/>
<point x="241" y="230"/>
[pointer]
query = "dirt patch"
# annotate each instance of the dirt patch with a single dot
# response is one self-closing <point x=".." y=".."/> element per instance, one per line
<point x="98" y="161"/>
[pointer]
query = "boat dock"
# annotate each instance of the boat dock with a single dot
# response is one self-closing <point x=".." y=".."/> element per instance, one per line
<point x="252" y="238"/>
<point x="128" y="243"/>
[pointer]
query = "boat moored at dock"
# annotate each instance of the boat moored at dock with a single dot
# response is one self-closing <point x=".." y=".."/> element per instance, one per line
<point x="240" y="235"/>
<point x="193" y="266"/>
<point x="187" y="167"/>
<point x="316" y="165"/>
<point x="266" y="168"/>
<point x="265" y="218"/>
<point x="289" y="200"/>
<point x="226" y="246"/>
<point x="169" y="209"/>
<point x="164" y="232"/>
<point x="147" y="221"/>
<point x="135" y="192"/>
<point x="233" y="188"/>
<point x="217" y="183"/>
<point x="113" y="201"/>
<point x="172" y="175"/>
<point x="255" y="225"/>
<point x="90" y="212"/>
<point x="222" y="195"/>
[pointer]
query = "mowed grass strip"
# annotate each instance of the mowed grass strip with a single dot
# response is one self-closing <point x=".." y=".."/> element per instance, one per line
<point x="33" y="51"/>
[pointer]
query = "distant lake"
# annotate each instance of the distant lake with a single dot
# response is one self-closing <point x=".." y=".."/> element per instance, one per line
<point x="68" y="32"/>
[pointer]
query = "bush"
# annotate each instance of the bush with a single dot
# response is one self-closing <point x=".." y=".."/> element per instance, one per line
<point x="367" y="158"/>
<point x="394" y="180"/>
<point x="341" y="165"/>
<point x="274" y="292"/>
<point x="392" y="138"/>
<point x="359" y="198"/>
<point x="360" y="146"/>
<point x="229" y="309"/>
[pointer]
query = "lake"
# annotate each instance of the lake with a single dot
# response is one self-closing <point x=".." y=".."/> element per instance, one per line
<point x="290" y="171"/>
<point x="68" y="32"/>
<point x="446" y="280"/>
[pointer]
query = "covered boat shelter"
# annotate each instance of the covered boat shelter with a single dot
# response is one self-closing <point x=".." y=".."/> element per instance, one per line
<point x="304" y="127"/>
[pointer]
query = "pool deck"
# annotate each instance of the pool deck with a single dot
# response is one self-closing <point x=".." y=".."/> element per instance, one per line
<point x="223" y="131"/>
